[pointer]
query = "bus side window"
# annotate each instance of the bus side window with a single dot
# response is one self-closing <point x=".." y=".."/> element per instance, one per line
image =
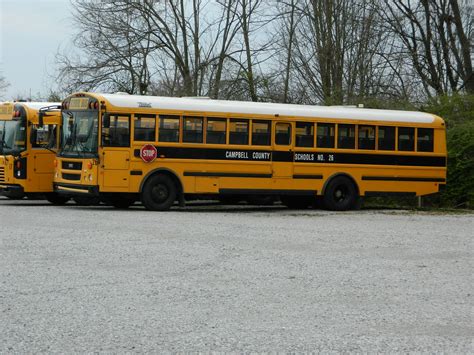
<point x="216" y="130"/>
<point x="192" y="130"/>
<point x="261" y="132"/>
<point x="118" y="134"/>
<point x="144" y="128"/>
<point x="304" y="134"/>
<point x="238" y="131"/>
<point x="169" y="129"/>
<point x="366" y="136"/>
<point x="346" y="136"/>
<point x="425" y="140"/>
<point x="325" y="135"/>
<point x="406" y="138"/>
<point x="386" y="140"/>
<point x="283" y="134"/>
<point x="44" y="136"/>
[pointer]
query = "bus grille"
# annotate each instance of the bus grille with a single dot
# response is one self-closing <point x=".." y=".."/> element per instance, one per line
<point x="71" y="165"/>
<point x="2" y="174"/>
<point x="73" y="177"/>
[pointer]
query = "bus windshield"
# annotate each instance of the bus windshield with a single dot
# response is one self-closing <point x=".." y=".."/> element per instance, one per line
<point x="13" y="137"/>
<point x="79" y="134"/>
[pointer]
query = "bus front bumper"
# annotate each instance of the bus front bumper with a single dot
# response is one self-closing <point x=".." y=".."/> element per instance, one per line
<point x="71" y="189"/>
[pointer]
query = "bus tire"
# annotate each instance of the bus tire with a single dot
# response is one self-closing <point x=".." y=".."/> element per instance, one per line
<point x="158" y="193"/>
<point x="340" y="194"/>
<point x="56" y="199"/>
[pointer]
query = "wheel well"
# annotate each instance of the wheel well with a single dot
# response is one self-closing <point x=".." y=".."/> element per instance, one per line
<point x="167" y="172"/>
<point x="337" y="175"/>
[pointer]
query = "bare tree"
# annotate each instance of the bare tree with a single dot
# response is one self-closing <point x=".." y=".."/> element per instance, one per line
<point x="3" y="86"/>
<point x="434" y="35"/>
<point x="108" y="54"/>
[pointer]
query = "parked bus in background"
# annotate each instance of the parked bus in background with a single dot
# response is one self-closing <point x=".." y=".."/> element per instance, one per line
<point x="158" y="150"/>
<point x="28" y="143"/>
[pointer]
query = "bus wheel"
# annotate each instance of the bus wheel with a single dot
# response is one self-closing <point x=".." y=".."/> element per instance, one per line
<point x="296" y="202"/>
<point x="159" y="193"/>
<point x="340" y="194"/>
<point x="56" y="199"/>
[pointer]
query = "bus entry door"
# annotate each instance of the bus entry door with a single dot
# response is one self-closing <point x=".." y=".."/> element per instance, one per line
<point x="282" y="159"/>
<point x="116" y="153"/>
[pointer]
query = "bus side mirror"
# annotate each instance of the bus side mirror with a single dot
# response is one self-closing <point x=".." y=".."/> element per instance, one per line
<point x="40" y="119"/>
<point x="33" y="136"/>
<point x="106" y="120"/>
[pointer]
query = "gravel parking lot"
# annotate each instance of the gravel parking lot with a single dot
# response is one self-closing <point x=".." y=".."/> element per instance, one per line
<point x="233" y="278"/>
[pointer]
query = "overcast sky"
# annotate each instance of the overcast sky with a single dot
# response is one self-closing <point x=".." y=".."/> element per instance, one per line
<point x="31" y="31"/>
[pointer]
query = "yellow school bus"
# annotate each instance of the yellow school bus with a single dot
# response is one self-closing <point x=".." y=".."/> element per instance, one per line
<point x="28" y="145"/>
<point x="161" y="150"/>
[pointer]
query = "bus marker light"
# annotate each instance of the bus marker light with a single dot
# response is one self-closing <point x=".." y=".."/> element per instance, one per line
<point x="89" y="165"/>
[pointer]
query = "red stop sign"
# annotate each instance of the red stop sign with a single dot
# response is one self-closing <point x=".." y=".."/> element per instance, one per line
<point x="148" y="153"/>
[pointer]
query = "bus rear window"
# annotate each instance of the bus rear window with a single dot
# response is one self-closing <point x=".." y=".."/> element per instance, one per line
<point x="261" y="133"/>
<point x="425" y="140"/>
<point x="238" y="132"/>
<point x="192" y="130"/>
<point x="144" y="128"/>
<point x="325" y="136"/>
<point x="386" y="140"/>
<point x="169" y="129"/>
<point x="346" y="136"/>
<point x="406" y="138"/>
<point x="304" y="134"/>
<point x="216" y="130"/>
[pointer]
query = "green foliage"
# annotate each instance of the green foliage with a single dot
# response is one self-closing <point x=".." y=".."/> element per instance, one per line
<point x="458" y="112"/>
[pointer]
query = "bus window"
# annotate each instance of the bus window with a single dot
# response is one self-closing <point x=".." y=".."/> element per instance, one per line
<point x="192" y="130"/>
<point x="325" y="135"/>
<point x="118" y="134"/>
<point x="239" y="131"/>
<point x="169" y="129"/>
<point x="144" y="128"/>
<point x="261" y="132"/>
<point x="216" y="130"/>
<point x="425" y="140"/>
<point x="346" y="136"/>
<point x="304" y="134"/>
<point x="386" y="139"/>
<point x="406" y="138"/>
<point x="44" y="136"/>
<point x="366" y="136"/>
<point x="283" y="134"/>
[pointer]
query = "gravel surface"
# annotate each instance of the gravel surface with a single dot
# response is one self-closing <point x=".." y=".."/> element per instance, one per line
<point x="214" y="278"/>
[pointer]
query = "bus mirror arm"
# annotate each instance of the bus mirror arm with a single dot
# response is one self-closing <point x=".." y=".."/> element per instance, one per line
<point x="106" y="120"/>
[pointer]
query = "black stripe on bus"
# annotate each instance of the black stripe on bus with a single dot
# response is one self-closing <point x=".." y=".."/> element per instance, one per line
<point x="267" y="192"/>
<point x="297" y="157"/>
<point x="136" y="172"/>
<point x="312" y="177"/>
<point x="402" y="178"/>
<point x="216" y="174"/>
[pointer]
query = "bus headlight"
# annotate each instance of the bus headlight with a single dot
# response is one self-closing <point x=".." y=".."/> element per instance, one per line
<point x="90" y="177"/>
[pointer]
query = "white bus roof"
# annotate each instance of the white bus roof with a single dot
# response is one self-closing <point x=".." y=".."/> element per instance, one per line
<point x="37" y="105"/>
<point x="261" y="108"/>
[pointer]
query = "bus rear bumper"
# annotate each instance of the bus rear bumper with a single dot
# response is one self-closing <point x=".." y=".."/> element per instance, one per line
<point x="70" y="189"/>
